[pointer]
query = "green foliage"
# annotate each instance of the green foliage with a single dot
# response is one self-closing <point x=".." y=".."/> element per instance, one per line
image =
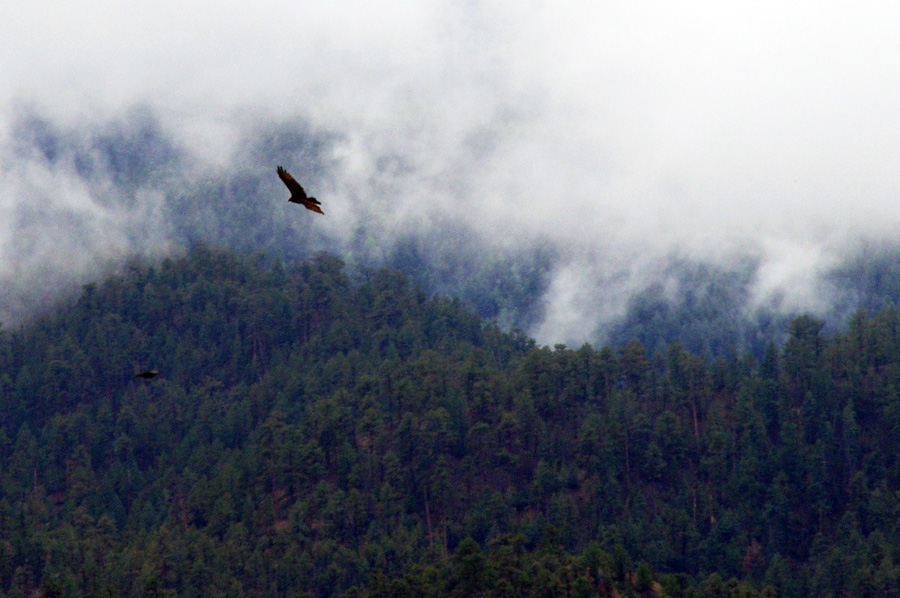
<point x="317" y="431"/>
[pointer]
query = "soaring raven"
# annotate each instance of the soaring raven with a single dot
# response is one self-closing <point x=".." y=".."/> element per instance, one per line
<point x="298" y="195"/>
<point x="147" y="374"/>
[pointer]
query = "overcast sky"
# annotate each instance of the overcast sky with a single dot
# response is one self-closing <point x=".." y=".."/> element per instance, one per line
<point x="625" y="131"/>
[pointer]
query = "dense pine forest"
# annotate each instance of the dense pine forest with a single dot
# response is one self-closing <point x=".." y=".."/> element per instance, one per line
<point x="320" y="430"/>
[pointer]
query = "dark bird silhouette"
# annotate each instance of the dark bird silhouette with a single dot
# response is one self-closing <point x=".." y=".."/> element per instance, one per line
<point x="147" y="374"/>
<point x="298" y="195"/>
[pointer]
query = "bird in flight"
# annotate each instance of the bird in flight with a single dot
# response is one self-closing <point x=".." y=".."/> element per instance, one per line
<point x="298" y="195"/>
<point x="147" y="374"/>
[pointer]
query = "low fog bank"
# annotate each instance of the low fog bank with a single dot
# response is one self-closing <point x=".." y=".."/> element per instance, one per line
<point x="78" y="201"/>
<point x="574" y="169"/>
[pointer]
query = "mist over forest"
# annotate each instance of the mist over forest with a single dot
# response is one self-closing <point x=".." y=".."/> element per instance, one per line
<point x="83" y="200"/>
<point x="573" y="171"/>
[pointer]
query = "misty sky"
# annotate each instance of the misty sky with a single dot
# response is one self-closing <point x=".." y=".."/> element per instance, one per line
<point x="625" y="132"/>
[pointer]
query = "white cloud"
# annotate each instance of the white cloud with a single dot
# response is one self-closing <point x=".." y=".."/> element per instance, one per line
<point x="617" y="128"/>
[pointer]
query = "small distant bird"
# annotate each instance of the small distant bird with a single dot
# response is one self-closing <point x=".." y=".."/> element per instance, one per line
<point x="147" y="374"/>
<point x="298" y="195"/>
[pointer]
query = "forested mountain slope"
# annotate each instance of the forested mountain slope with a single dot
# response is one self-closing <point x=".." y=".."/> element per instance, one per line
<point x="333" y="432"/>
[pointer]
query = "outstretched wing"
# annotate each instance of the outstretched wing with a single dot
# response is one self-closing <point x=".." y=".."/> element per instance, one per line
<point x="292" y="184"/>
<point x="312" y="204"/>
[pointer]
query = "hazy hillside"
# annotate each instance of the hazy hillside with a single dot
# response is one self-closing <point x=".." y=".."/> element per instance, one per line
<point x="315" y="429"/>
<point x="84" y="197"/>
<point x="567" y="172"/>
